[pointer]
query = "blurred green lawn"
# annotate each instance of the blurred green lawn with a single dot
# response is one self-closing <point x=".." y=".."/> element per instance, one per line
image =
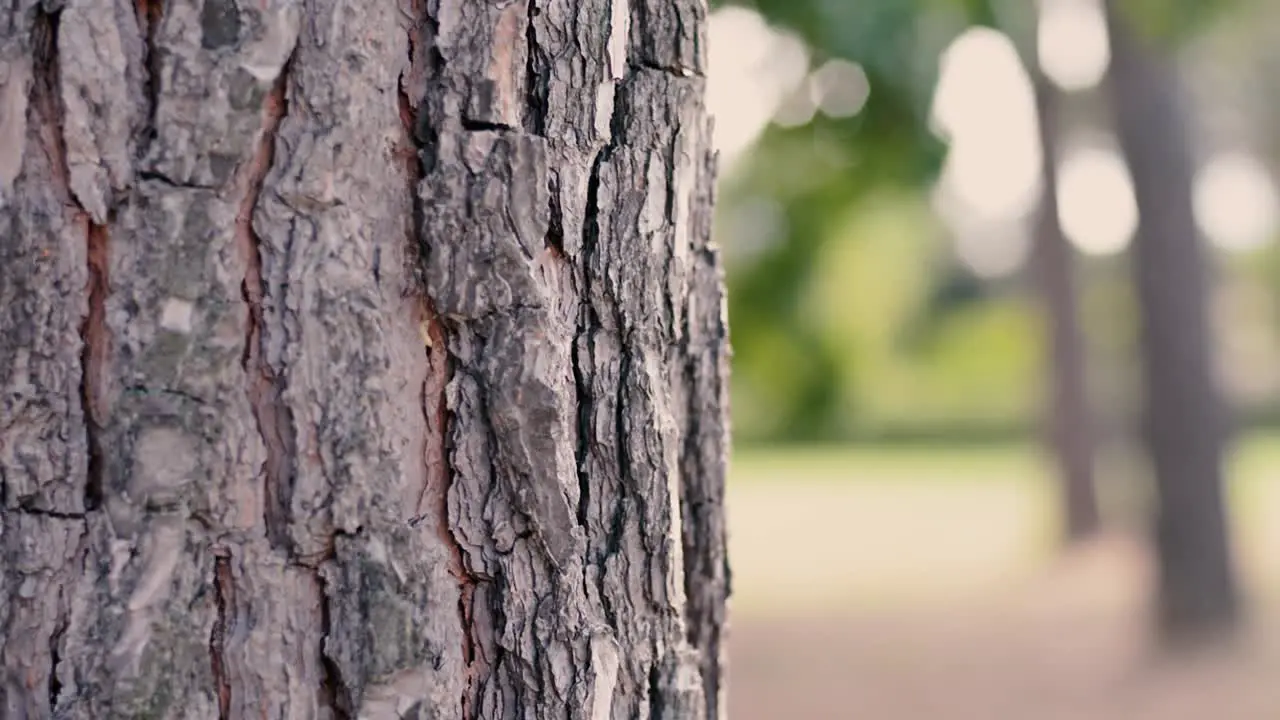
<point x="830" y="527"/>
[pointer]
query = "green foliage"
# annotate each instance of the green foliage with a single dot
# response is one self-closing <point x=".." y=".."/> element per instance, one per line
<point x="1170" y="23"/>
<point x="796" y="360"/>
<point x="852" y="318"/>
<point x="897" y="42"/>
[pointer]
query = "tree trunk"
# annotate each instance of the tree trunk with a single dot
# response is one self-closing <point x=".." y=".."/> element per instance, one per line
<point x="359" y="360"/>
<point x="1053" y="264"/>
<point x="1185" y="418"/>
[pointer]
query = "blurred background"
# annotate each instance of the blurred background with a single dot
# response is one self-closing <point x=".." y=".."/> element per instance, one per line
<point x="1004" y="288"/>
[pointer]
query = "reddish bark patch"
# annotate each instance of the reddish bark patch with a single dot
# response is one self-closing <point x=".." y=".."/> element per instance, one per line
<point x="46" y="99"/>
<point x="433" y="502"/>
<point x="95" y="339"/>
<point x="264" y="389"/>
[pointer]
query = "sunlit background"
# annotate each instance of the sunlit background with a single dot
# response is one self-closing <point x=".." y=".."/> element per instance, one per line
<point x="897" y="534"/>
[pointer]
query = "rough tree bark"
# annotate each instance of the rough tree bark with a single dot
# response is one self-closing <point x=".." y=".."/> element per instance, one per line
<point x="1070" y="421"/>
<point x="1185" y="415"/>
<point x="359" y="359"/>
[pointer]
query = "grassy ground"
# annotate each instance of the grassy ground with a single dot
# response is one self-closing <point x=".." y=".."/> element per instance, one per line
<point x="926" y="583"/>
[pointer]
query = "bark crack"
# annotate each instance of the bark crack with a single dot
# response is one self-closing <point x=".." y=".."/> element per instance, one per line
<point x="224" y="600"/>
<point x="149" y="14"/>
<point x="156" y="176"/>
<point x="655" y="692"/>
<point x="471" y="125"/>
<point x="583" y="388"/>
<point x="588" y="323"/>
<point x="182" y="394"/>
<point x="265" y="389"/>
<point x="47" y="100"/>
<point x="555" y="226"/>
<point x="438" y="481"/>
<point x="672" y="70"/>
<point x="27" y="509"/>
<point x="94" y="337"/>
<point x="535" y="89"/>
<point x="55" y="657"/>
<point x="333" y="688"/>
<point x="434" y="499"/>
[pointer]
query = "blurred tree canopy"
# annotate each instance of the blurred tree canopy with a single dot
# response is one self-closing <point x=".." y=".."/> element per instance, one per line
<point x="851" y="315"/>
<point x="817" y="313"/>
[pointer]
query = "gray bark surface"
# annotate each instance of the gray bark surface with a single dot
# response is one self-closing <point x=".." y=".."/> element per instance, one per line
<point x="1185" y="415"/>
<point x="359" y="360"/>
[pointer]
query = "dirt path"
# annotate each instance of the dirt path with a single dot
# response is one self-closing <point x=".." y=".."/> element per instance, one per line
<point x="1070" y="644"/>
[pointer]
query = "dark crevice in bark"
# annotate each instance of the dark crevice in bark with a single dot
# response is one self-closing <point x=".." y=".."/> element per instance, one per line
<point x="655" y="692"/>
<point x="588" y="323"/>
<point x="224" y="601"/>
<point x="149" y="13"/>
<point x="613" y="545"/>
<point x="47" y="98"/>
<point x="674" y="71"/>
<point x="535" y="82"/>
<point x="617" y="128"/>
<point x="674" y="339"/>
<point x="639" y="26"/>
<point x="93" y="333"/>
<point x="582" y="344"/>
<point x="427" y="143"/>
<point x="620" y="418"/>
<point x="55" y="685"/>
<point x="26" y="508"/>
<point x="180" y="394"/>
<point x="333" y="689"/>
<point x="55" y="657"/>
<point x="417" y="147"/>
<point x="264" y="388"/>
<point x="154" y="176"/>
<point x="555" y="228"/>
<point x="427" y="60"/>
<point x="617" y="510"/>
<point x="483" y="125"/>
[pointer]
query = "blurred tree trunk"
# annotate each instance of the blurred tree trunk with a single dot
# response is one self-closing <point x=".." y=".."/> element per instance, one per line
<point x="1185" y="415"/>
<point x="359" y="360"/>
<point x="1070" y="422"/>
